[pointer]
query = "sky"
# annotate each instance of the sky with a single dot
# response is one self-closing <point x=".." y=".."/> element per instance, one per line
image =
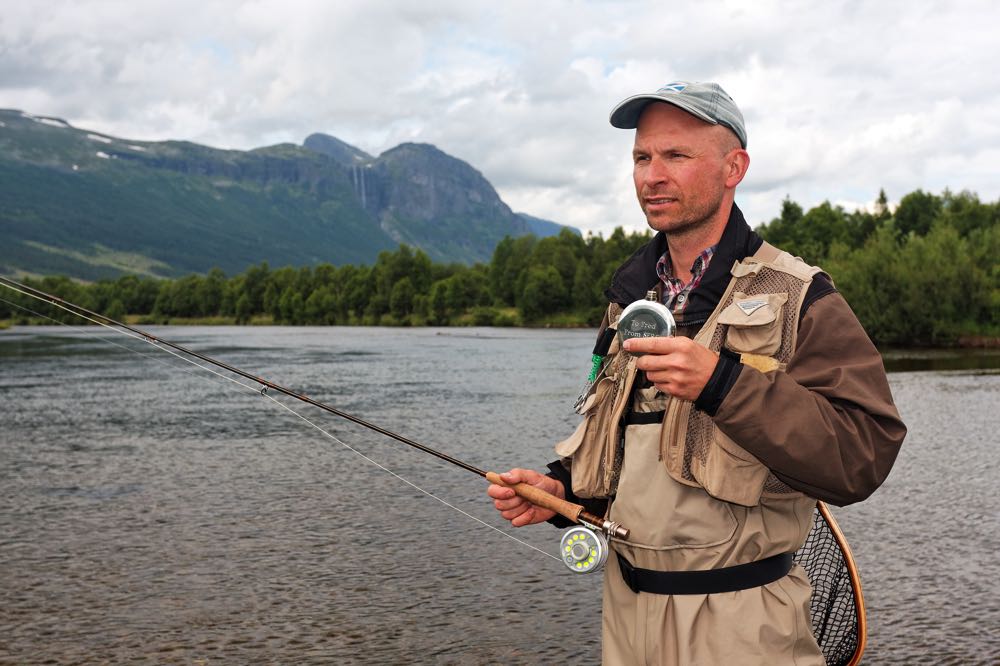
<point x="840" y="98"/>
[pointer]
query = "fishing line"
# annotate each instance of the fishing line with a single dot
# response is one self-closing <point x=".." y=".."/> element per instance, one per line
<point x="128" y="334"/>
<point x="252" y="389"/>
<point x="575" y="555"/>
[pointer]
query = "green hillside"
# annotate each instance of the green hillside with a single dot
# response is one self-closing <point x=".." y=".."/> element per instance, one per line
<point x="91" y="206"/>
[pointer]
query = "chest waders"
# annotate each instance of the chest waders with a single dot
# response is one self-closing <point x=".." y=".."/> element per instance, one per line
<point x="714" y="533"/>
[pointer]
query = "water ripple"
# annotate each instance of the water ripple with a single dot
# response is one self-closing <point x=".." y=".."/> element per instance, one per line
<point x="149" y="516"/>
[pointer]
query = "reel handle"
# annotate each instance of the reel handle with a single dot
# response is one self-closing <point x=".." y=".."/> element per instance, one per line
<point x="566" y="509"/>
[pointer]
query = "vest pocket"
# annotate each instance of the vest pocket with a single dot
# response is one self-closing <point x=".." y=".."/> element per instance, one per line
<point x="754" y="323"/>
<point x="591" y="447"/>
<point x="729" y="473"/>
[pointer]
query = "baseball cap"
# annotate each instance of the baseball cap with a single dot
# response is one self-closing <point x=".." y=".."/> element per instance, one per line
<point x="707" y="101"/>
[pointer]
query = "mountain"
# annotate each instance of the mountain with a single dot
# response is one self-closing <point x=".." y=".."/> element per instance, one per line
<point x="333" y="147"/>
<point x="543" y="228"/>
<point x="90" y="205"/>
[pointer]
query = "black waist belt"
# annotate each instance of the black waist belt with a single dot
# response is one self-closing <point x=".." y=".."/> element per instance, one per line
<point x="711" y="581"/>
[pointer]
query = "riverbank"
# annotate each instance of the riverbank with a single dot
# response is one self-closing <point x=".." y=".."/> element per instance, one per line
<point x="941" y="359"/>
<point x="504" y="318"/>
<point x="978" y="342"/>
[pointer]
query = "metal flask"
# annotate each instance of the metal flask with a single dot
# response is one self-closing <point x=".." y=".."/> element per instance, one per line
<point x="647" y="318"/>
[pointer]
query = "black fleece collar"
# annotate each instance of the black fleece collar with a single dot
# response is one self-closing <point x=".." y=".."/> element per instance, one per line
<point x="638" y="274"/>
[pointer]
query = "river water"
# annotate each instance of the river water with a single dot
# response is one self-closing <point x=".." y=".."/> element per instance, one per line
<point x="151" y="512"/>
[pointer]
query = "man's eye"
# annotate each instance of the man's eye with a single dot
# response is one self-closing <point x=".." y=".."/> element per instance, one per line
<point x="641" y="158"/>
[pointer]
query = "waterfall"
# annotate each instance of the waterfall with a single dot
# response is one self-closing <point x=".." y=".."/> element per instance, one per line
<point x="358" y="177"/>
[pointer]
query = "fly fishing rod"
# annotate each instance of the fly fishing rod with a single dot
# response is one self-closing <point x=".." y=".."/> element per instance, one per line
<point x="583" y="549"/>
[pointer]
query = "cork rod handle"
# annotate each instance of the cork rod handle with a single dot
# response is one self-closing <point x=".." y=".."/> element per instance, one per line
<point x="539" y="497"/>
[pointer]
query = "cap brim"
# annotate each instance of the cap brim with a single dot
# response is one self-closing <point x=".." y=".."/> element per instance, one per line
<point x="626" y="114"/>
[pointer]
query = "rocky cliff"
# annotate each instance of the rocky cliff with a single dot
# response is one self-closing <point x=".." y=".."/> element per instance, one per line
<point x="90" y="205"/>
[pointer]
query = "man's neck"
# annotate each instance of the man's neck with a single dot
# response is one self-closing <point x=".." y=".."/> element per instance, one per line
<point x="685" y="247"/>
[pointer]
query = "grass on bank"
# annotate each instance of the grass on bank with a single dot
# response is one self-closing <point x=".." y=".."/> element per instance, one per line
<point x="505" y="317"/>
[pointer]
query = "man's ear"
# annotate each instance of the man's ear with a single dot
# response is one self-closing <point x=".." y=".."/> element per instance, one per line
<point x="737" y="164"/>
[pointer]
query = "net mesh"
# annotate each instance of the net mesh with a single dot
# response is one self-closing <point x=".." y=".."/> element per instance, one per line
<point x="834" y="614"/>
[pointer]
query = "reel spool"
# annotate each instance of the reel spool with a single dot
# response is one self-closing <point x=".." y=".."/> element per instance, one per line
<point x="583" y="550"/>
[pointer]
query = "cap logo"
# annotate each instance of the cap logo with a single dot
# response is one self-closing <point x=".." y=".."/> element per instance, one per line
<point x="673" y="87"/>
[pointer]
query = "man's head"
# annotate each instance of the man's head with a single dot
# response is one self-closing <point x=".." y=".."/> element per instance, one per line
<point x="688" y="156"/>
<point x="707" y="101"/>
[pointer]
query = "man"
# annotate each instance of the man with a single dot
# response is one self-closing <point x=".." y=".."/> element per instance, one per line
<point x="712" y="446"/>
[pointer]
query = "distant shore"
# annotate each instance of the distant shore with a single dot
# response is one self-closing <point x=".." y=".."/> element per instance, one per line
<point x="965" y="342"/>
<point x="978" y="342"/>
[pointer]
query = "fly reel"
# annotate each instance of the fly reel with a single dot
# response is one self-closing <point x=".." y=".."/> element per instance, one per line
<point x="583" y="550"/>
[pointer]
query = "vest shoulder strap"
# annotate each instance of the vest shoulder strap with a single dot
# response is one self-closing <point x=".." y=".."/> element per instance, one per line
<point x="766" y="253"/>
<point x="772" y="257"/>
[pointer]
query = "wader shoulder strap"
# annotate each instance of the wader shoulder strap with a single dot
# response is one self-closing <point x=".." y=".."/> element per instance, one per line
<point x="642" y="418"/>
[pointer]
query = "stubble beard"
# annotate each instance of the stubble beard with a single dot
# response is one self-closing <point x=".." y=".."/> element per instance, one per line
<point x="690" y="221"/>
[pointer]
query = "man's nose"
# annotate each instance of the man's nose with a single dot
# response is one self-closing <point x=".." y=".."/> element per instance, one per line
<point x="656" y="172"/>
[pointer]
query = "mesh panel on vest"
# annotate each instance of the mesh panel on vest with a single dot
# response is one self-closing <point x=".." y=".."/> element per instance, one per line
<point x="700" y="434"/>
<point x="832" y="610"/>
<point x="701" y="428"/>
<point x="775" y="486"/>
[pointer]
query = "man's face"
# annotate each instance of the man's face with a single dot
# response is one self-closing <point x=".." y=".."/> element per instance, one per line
<point x="680" y="168"/>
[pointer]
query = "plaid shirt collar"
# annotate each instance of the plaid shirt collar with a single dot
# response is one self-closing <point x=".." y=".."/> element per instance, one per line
<point x="675" y="291"/>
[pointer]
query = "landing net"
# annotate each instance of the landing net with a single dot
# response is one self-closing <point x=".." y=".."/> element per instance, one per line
<point x="837" y="614"/>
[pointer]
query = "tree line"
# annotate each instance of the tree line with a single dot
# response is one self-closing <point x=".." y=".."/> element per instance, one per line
<point x="924" y="273"/>
<point x="557" y="280"/>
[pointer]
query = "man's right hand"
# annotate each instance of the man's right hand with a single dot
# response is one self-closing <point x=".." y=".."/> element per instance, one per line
<point x="519" y="511"/>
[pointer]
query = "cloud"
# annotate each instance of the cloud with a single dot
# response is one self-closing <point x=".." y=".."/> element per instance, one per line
<point x="841" y="98"/>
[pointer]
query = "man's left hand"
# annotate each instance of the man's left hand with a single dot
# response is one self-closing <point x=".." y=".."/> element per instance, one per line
<point x="677" y="366"/>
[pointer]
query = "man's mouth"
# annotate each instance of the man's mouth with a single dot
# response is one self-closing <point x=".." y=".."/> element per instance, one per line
<point x="657" y="201"/>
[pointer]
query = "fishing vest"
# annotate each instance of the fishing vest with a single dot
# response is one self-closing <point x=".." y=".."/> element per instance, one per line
<point x="757" y="318"/>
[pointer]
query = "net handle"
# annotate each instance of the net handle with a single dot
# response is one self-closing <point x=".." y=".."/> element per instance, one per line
<point x="852" y="571"/>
